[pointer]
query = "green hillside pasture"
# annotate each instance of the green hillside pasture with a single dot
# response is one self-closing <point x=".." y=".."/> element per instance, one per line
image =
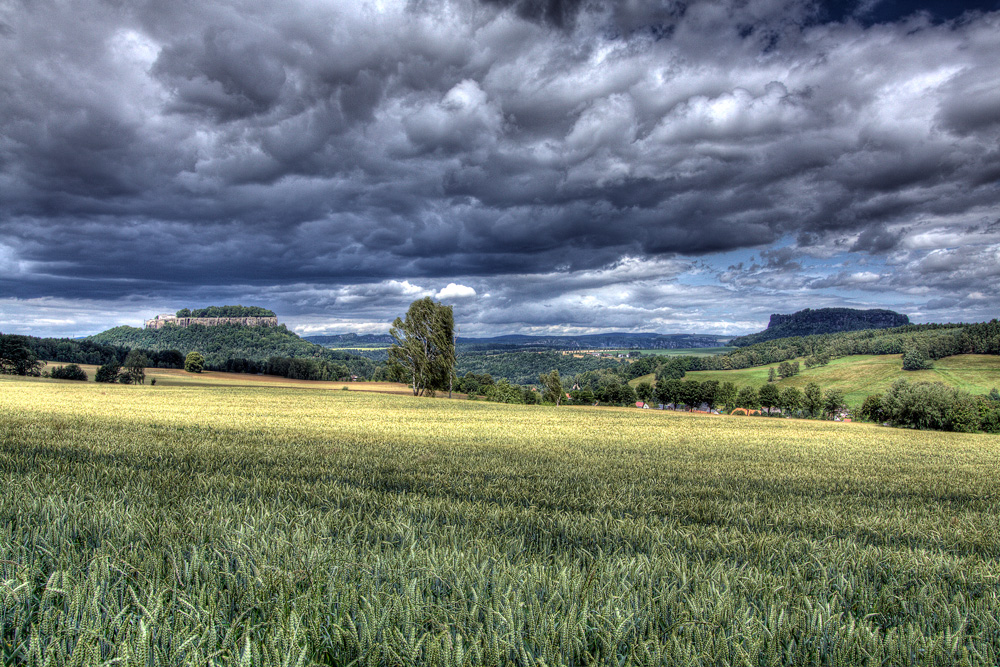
<point x="649" y="377"/>
<point x="242" y="525"/>
<point x="860" y="375"/>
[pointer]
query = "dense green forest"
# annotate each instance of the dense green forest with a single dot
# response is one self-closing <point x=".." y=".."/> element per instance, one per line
<point x="811" y="322"/>
<point x="235" y="348"/>
<point x="524" y="367"/>
<point x="226" y="311"/>
<point x="86" y="351"/>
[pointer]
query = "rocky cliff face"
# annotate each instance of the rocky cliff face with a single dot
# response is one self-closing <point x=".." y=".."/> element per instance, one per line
<point x="160" y="321"/>
<point x="829" y="320"/>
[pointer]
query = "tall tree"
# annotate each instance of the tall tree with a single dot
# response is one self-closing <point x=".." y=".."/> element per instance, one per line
<point x="553" y="386"/>
<point x="726" y="395"/>
<point x="17" y="357"/>
<point x="791" y="399"/>
<point x="769" y="396"/>
<point x="813" y="401"/>
<point x="425" y="345"/>
<point x="747" y="398"/>
<point x="135" y="367"/>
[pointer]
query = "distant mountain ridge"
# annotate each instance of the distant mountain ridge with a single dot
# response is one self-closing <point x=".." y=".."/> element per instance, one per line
<point x="810" y="322"/>
<point x="611" y="341"/>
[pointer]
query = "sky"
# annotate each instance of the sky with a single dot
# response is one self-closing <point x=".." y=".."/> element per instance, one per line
<point x="544" y="166"/>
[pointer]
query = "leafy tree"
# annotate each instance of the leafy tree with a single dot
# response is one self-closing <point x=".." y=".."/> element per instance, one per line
<point x="871" y="409"/>
<point x="504" y="392"/>
<point x="69" y="372"/>
<point x="582" y="396"/>
<point x="813" y="400"/>
<point x="771" y="375"/>
<point x="709" y="393"/>
<point x="17" y="357"/>
<point x="135" y="367"/>
<point x="644" y="392"/>
<point x="833" y="401"/>
<point x="194" y="362"/>
<point x="726" y="395"/>
<point x="184" y="312"/>
<point x="553" y="389"/>
<point x="668" y="391"/>
<point x="747" y="398"/>
<point x="963" y="415"/>
<point x="529" y="396"/>
<point x="690" y="393"/>
<point x="915" y="359"/>
<point x="616" y="393"/>
<point x="994" y="395"/>
<point x="791" y="399"/>
<point x="769" y="396"/>
<point x="989" y="416"/>
<point x="108" y="372"/>
<point x="425" y="345"/>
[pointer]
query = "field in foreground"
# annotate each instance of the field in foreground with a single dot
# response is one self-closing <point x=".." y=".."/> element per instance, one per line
<point x="225" y="525"/>
<point x="174" y="377"/>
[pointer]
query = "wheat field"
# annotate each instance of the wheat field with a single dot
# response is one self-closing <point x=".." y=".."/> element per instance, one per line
<point x="174" y="525"/>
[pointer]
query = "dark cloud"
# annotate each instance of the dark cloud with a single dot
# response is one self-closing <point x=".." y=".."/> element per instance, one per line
<point x="224" y="149"/>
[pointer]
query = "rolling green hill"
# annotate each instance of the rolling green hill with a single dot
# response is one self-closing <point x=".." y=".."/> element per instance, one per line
<point x="860" y="375"/>
<point x="225" y="342"/>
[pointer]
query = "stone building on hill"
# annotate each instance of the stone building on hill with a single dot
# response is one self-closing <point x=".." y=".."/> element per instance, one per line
<point x="166" y="319"/>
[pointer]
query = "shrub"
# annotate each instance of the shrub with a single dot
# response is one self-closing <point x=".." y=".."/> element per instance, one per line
<point x="195" y="362"/>
<point x="69" y="372"/>
<point x="108" y="372"/>
<point x="871" y="409"/>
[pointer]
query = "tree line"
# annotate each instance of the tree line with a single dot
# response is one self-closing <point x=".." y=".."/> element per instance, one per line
<point x="934" y="406"/>
<point x="226" y="311"/>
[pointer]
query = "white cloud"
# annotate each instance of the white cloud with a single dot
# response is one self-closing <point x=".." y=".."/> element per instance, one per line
<point x="456" y="291"/>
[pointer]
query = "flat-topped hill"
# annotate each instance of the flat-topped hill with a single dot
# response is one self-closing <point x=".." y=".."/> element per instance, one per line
<point x="810" y="322"/>
<point x="248" y="316"/>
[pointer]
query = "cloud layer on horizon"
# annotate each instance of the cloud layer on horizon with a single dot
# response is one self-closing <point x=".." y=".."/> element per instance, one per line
<point x="543" y="165"/>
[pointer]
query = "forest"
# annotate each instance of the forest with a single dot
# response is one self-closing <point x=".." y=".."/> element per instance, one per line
<point x="226" y="311"/>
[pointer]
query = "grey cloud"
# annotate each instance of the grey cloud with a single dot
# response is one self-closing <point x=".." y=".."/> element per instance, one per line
<point x="159" y="148"/>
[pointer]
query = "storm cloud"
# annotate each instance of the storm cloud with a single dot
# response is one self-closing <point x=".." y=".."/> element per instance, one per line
<point x="544" y="165"/>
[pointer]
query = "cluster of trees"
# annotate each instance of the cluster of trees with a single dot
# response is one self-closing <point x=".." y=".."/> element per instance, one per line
<point x="88" y="351"/>
<point x="67" y="372"/>
<point x="712" y="394"/>
<point x="299" y="368"/>
<point x="133" y="371"/>
<point x="786" y="369"/>
<point x="933" y="405"/>
<point x="226" y="311"/>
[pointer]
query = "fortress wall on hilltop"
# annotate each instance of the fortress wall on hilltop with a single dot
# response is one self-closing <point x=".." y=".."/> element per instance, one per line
<point x="159" y="322"/>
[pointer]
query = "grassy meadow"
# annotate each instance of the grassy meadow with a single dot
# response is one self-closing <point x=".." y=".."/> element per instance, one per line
<point x="223" y="525"/>
<point x="174" y="377"/>
<point x="860" y="375"/>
